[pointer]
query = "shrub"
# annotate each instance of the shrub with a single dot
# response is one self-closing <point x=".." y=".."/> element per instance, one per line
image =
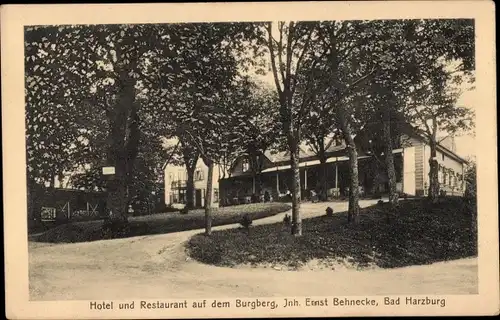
<point x="246" y="221"/>
<point x="184" y="210"/>
<point x="162" y="207"/>
<point x="267" y="196"/>
<point x="329" y="212"/>
<point x="287" y="219"/>
<point x="112" y="228"/>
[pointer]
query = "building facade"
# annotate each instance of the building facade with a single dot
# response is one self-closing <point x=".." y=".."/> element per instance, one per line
<point x="176" y="185"/>
<point x="451" y="167"/>
<point x="411" y="163"/>
<point x="274" y="181"/>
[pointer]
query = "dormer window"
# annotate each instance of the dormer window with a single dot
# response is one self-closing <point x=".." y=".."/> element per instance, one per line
<point x="198" y="174"/>
<point x="246" y="165"/>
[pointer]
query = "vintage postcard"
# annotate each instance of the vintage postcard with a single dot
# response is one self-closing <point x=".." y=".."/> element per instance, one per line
<point x="246" y="160"/>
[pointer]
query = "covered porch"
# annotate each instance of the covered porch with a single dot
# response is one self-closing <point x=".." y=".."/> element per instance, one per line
<point x="275" y="183"/>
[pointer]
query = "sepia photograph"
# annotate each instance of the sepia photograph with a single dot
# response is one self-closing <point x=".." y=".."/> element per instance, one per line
<point x="278" y="166"/>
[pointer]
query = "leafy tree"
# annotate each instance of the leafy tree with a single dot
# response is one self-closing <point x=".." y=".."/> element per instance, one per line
<point x="198" y="100"/>
<point x="52" y="129"/>
<point x="102" y="72"/>
<point x="368" y="70"/>
<point x="257" y="124"/>
<point x="344" y="65"/>
<point x="289" y="45"/>
<point x="444" y="54"/>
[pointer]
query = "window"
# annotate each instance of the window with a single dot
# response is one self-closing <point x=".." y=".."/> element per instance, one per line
<point x="198" y="174"/>
<point x="216" y="195"/>
<point x="442" y="156"/>
<point x="182" y="196"/>
<point x="178" y="196"/>
<point x="246" y="165"/>
<point x="170" y="177"/>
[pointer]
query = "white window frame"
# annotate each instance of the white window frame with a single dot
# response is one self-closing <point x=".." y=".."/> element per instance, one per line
<point x="245" y="167"/>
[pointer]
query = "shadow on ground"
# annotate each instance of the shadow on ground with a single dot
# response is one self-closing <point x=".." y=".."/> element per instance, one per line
<point x="414" y="233"/>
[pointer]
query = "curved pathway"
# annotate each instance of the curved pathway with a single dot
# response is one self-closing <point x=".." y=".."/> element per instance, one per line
<point x="157" y="267"/>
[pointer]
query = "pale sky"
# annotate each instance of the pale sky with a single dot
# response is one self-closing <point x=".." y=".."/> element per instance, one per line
<point x="466" y="145"/>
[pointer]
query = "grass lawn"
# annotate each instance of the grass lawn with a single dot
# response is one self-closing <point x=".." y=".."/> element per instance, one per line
<point x="160" y="223"/>
<point x="414" y="233"/>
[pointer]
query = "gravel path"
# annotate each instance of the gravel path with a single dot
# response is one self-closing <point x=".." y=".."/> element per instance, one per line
<point x="157" y="267"/>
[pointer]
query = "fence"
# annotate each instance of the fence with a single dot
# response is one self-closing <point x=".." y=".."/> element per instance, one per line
<point x="64" y="205"/>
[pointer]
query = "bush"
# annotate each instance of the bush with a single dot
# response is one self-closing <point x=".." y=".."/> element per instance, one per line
<point x="114" y="228"/>
<point x="267" y="196"/>
<point x="287" y="219"/>
<point x="329" y="212"/>
<point x="246" y="221"/>
<point x="161" y="208"/>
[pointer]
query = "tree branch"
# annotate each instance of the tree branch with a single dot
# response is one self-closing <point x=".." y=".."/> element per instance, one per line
<point x="280" y="51"/>
<point x="171" y="156"/>
<point x="199" y="145"/>
<point x="304" y="50"/>
<point x="361" y="78"/>
<point x="273" y="60"/>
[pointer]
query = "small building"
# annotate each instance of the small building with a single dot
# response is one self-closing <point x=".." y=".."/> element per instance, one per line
<point x="176" y="185"/>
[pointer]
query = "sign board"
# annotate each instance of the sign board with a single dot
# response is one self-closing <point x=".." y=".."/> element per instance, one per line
<point x="48" y="214"/>
<point x="108" y="171"/>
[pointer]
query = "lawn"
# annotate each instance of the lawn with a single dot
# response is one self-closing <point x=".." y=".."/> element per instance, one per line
<point x="160" y="223"/>
<point x="414" y="233"/>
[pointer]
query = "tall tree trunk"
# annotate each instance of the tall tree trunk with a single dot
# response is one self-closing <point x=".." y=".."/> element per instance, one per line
<point x="295" y="160"/>
<point x="117" y="199"/>
<point x="258" y="184"/>
<point x="258" y="176"/>
<point x="133" y="136"/>
<point x="323" y="180"/>
<point x="190" y="187"/>
<point x="389" y="161"/>
<point x="324" y="169"/>
<point x="433" y="173"/>
<point x="190" y="157"/>
<point x="209" y="198"/>
<point x="353" y="211"/>
<point x="433" y="164"/>
<point x="119" y="155"/>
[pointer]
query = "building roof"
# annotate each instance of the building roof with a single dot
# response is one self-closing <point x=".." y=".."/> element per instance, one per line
<point x="305" y="153"/>
<point x="445" y="145"/>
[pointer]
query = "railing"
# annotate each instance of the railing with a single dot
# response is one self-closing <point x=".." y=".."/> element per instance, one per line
<point x="178" y="184"/>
